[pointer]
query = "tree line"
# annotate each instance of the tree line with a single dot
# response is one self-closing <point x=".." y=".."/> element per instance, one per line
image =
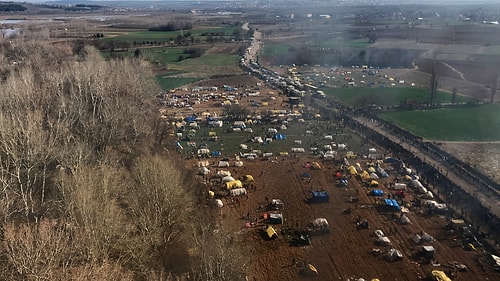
<point x="86" y="193"/>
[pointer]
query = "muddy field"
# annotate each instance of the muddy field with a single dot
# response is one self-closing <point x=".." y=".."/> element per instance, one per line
<point x="346" y="252"/>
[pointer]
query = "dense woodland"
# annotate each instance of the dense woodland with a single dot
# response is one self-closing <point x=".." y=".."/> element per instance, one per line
<point x="84" y="193"/>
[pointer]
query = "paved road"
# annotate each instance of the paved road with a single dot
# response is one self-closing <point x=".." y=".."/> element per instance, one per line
<point x="490" y="199"/>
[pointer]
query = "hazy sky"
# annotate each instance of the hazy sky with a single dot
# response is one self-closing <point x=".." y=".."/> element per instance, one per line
<point x="353" y="1"/>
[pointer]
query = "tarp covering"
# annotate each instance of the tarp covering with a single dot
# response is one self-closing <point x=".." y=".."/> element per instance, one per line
<point x="223" y="164"/>
<point x="392" y="203"/>
<point x="377" y="192"/>
<point x="280" y="137"/>
<point x="227" y="179"/>
<point x="238" y="163"/>
<point x="248" y="178"/>
<point x="275" y="218"/>
<point x="394" y="254"/>
<point x="309" y="268"/>
<point x="365" y="175"/>
<point x="400" y="186"/>
<point x="352" y="170"/>
<point x="373" y="183"/>
<point x="204" y="171"/>
<point x="234" y="184"/>
<point x="319" y="223"/>
<point x="216" y="153"/>
<point x="271" y="233"/>
<point x="315" y="166"/>
<point x="320" y="196"/>
<point x="404" y="220"/>
<point x="238" y="191"/>
<point x="439" y="275"/>
<point x="223" y="173"/>
<point x="374" y="176"/>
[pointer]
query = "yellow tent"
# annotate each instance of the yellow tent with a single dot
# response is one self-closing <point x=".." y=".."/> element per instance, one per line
<point x="316" y="166"/>
<point x="271" y="233"/>
<point x="212" y="134"/>
<point x="248" y="178"/>
<point x="234" y="184"/>
<point x="373" y="183"/>
<point x="372" y="170"/>
<point x="440" y="275"/>
<point x="365" y="175"/>
<point x="211" y="194"/>
<point x="310" y="269"/>
<point x="352" y="170"/>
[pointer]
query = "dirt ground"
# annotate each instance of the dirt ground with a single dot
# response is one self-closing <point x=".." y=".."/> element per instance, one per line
<point x="346" y="253"/>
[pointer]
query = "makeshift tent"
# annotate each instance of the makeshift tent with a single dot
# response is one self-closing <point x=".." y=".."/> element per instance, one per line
<point x="404" y="219"/>
<point x="320" y="196"/>
<point x="439" y="275"/>
<point x="204" y="171"/>
<point x="342" y="183"/>
<point x="381" y="172"/>
<point x="338" y="175"/>
<point x="248" y="178"/>
<point x="373" y="183"/>
<point x="374" y="176"/>
<point x="227" y="179"/>
<point x="371" y="170"/>
<point x="365" y="175"/>
<point x="393" y="255"/>
<point x="298" y="149"/>
<point x="393" y="204"/>
<point x="223" y="173"/>
<point x="204" y="163"/>
<point x="238" y="191"/>
<point x="384" y="241"/>
<point x="238" y="163"/>
<point x="377" y="192"/>
<point x="379" y="233"/>
<point x="276" y="204"/>
<point x="428" y="252"/>
<point x="216" y="153"/>
<point x="243" y="146"/>
<point x="223" y="164"/>
<point x="391" y="160"/>
<point x="234" y="184"/>
<point x="306" y="175"/>
<point x="352" y="170"/>
<point x="309" y="269"/>
<point x="275" y="218"/>
<point x="271" y="233"/>
<point x="211" y="194"/>
<point x="315" y="166"/>
<point x="280" y="137"/>
<point x="319" y="223"/>
<point x="400" y="186"/>
<point x="219" y="203"/>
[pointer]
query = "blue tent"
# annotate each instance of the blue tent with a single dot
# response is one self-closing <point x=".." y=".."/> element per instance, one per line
<point x="377" y="192"/>
<point x="215" y="153"/>
<point x="320" y="196"/>
<point x="391" y="160"/>
<point x="306" y="175"/>
<point x="280" y="137"/>
<point x="392" y="204"/>
<point x="190" y="119"/>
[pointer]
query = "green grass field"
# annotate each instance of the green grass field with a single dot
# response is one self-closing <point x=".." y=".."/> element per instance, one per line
<point x="474" y="123"/>
<point x="228" y="143"/>
<point x="165" y="36"/>
<point x="167" y="83"/>
<point x="362" y="43"/>
<point x="273" y="50"/>
<point x="387" y="96"/>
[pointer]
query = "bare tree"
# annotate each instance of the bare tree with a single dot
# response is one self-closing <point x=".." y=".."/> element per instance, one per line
<point x="217" y="256"/>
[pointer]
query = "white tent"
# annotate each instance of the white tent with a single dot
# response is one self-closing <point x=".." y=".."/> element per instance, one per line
<point x="238" y="163"/>
<point x="223" y="173"/>
<point x="204" y="171"/>
<point x="405" y="220"/>
<point x="223" y="164"/>
<point x="227" y="179"/>
<point x="238" y="191"/>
